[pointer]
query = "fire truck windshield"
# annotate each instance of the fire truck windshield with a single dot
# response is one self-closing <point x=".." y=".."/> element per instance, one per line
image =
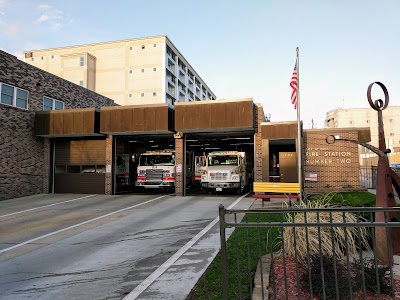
<point x="223" y="160"/>
<point x="156" y="160"/>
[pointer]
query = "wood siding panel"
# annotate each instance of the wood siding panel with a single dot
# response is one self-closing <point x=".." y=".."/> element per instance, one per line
<point x="78" y="122"/>
<point x="198" y="116"/>
<point x="89" y="121"/>
<point x="58" y="123"/>
<point x="161" y="118"/>
<point x="218" y="116"/>
<point x="232" y="115"/>
<point x="211" y="115"/>
<point x="80" y="152"/>
<point x="246" y="113"/>
<point x="126" y="120"/>
<point x="105" y="120"/>
<point x="115" y="120"/>
<point x="279" y="131"/>
<point x="138" y="119"/>
<point x="68" y="123"/>
<point x="180" y="117"/>
<point x="149" y="119"/>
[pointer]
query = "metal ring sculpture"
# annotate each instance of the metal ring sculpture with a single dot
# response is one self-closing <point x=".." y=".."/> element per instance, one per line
<point x="378" y="104"/>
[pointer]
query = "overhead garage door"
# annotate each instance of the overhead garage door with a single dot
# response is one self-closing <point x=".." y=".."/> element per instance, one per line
<point x="80" y="166"/>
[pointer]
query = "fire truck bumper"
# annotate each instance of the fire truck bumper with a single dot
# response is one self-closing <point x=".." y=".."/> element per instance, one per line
<point x="223" y="185"/>
<point x="154" y="184"/>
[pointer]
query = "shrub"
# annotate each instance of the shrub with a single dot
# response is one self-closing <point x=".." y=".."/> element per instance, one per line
<point x="324" y="279"/>
<point x="327" y="278"/>
<point x="370" y="273"/>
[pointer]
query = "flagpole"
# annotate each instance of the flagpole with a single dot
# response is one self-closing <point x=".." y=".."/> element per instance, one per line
<point x="299" y="131"/>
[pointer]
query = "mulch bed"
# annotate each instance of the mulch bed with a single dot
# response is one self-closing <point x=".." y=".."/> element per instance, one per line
<point x="281" y="290"/>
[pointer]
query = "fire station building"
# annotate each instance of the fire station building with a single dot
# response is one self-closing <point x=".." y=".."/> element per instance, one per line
<point x="73" y="146"/>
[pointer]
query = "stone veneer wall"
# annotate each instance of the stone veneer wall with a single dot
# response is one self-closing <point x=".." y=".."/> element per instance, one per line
<point x="24" y="159"/>
<point x="336" y="165"/>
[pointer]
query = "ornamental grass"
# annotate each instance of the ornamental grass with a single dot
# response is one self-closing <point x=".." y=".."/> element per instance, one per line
<point x="314" y="239"/>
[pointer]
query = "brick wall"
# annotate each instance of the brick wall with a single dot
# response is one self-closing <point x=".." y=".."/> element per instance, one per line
<point x="24" y="159"/>
<point x="336" y="165"/>
<point x="258" y="159"/>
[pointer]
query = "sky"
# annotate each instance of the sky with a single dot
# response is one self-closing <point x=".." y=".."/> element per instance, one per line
<point x="241" y="49"/>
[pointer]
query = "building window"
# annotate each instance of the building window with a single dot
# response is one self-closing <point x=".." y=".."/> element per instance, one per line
<point x="351" y="122"/>
<point x="32" y="59"/>
<point x="130" y="95"/>
<point x="367" y="121"/>
<point x="21" y="100"/>
<point x="391" y="120"/>
<point x="143" y="46"/>
<point x="81" y="83"/>
<point x="13" y="96"/>
<point x="142" y="95"/>
<point x="154" y="45"/>
<point x="52" y="57"/>
<point x="130" y="71"/>
<point x="142" y="70"/>
<point x="52" y="104"/>
<point x="41" y="58"/>
<point x="131" y="48"/>
<point x="391" y="134"/>
<point x="7" y="94"/>
<point x="154" y="93"/>
<point x="82" y="61"/>
<point x="154" y="69"/>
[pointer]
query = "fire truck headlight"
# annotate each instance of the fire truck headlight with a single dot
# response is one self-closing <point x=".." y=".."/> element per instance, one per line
<point x="235" y="177"/>
<point x="142" y="172"/>
<point x="166" y="171"/>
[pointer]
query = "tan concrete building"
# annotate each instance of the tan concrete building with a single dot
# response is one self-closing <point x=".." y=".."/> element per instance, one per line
<point x="367" y="117"/>
<point x="135" y="71"/>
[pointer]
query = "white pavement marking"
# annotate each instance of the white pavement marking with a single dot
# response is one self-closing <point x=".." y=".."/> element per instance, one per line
<point x="22" y="211"/>
<point x="161" y="269"/>
<point x="77" y="225"/>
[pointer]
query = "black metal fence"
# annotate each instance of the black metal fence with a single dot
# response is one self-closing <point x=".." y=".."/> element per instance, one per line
<point x="368" y="176"/>
<point x="310" y="253"/>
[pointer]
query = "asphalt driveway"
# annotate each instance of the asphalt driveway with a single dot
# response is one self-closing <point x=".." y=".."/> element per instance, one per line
<point x="138" y="246"/>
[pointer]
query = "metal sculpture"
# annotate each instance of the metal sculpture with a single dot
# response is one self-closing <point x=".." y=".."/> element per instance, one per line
<point x="385" y="181"/>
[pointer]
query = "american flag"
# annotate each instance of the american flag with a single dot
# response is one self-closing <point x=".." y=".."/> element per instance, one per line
<point x="293" y="85"/>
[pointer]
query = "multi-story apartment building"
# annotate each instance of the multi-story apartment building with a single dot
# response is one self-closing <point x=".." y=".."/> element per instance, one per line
<point x="367" y="117"/>
<point x="135" y="71"/>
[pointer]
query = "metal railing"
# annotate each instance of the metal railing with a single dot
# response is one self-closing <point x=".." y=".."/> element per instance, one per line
<point x="368" y="176"/>
<point x="310" y="253"/>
